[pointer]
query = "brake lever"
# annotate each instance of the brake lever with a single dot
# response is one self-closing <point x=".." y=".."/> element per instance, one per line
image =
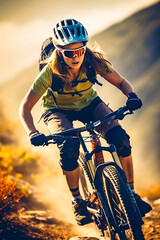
<point x="128" y="113"/>
<point x="120" y="114"/>
<point x="49" y="142"/>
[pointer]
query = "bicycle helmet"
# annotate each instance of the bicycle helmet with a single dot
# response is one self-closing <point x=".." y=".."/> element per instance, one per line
<point x="69" y="31"/>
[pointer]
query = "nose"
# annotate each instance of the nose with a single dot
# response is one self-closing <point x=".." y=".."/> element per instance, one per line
<point x="75" y="55"/>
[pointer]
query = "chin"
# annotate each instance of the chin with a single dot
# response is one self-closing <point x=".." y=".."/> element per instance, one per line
<point x="76" y="66"/>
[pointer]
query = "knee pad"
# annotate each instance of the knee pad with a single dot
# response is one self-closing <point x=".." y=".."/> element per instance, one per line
<point x="69" y="152"/>
<point x="120" y="139"/>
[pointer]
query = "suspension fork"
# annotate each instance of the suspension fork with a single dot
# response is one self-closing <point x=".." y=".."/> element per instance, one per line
<point x="115" y="156"/>
<point x="98" y="156"/>
<point x="88" y="156"/>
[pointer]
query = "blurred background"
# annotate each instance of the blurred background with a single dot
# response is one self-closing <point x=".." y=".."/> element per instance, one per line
<point x="128" y="31"/>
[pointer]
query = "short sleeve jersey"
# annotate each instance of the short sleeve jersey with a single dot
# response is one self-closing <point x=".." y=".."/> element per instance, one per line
<point x="65" y="101"/>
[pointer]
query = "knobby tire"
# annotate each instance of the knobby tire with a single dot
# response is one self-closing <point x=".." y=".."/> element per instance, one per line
<point x="121" y="203"/>
<point x="86" y="193"/>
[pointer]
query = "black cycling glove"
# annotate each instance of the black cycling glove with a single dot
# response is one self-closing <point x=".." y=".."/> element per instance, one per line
<point x="133" y="102"/>
<point x="38" y="139"/>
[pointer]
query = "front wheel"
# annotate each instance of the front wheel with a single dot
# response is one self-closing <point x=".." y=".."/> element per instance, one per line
<point x="87" y="191"/>
<point x="122" y="205"/>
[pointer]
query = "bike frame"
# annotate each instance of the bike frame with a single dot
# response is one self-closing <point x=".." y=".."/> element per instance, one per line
<point x="88" y="155"/>
<point x="95" y="173"/>
<point x="119" y="114"/>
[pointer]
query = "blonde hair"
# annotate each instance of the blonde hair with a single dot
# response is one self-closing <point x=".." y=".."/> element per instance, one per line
<point x="92" y="58"/>
<point x="97" y="60"/>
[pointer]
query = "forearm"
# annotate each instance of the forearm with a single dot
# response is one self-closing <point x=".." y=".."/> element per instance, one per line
<point x="126" y="87"/>
<point x="120" y="82"/>
<point x="26" y="119"/>
<point x="25" y="111"/>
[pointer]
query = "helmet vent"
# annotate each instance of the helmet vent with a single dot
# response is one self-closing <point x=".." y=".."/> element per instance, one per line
<point x="83" y="31"/>
<point x="61" y="35"/>
<point x="69" y="22"/>
<point x="66" y="32"/>
<point x="55" y="34"/>
<point x="57" y="25"/>
<point x="78" y="31"/>
<point x="72" y="31"/>
<point x="62" y="22"/>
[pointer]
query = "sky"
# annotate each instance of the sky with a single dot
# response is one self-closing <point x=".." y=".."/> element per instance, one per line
<point x="24" y="25"/>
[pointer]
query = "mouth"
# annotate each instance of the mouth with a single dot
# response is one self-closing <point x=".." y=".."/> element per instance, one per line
<point x="75" y="63"/>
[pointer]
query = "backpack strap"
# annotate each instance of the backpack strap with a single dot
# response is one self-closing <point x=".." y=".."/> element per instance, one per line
<point x="51" y="93"/>
<point x="58" y="84"/>
<point x="91" y="74"/>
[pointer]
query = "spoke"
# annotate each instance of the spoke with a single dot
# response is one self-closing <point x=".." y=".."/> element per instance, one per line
<point x="118" y="212"/>
<point x="117" y="208"/>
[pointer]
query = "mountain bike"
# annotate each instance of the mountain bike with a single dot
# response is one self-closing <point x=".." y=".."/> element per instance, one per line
<point x="105" y="189"/>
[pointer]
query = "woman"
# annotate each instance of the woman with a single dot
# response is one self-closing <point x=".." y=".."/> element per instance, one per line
<point x="77" y="100"/>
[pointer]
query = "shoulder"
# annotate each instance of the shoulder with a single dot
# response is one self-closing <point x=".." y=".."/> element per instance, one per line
<point x="43" y="81"/>
<point x="106" y="70"/>
<point x="45" y="74"/>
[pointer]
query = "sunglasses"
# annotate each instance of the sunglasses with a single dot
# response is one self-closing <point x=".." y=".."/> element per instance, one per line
<point x="72" y="53"/>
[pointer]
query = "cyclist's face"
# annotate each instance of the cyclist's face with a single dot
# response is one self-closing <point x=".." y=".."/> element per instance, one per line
<point x="76" y="61"/>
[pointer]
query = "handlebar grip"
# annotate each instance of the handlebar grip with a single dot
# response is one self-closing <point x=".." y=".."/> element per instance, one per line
<point x="49" y="137"/>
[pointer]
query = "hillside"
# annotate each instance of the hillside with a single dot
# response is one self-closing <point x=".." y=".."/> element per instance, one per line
<point x="18" y="86"/>
<point x="132" y="46"/>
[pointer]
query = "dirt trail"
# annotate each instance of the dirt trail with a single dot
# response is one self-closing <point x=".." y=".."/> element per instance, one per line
<point x="38" y="223"/>
<point x="151" y="227"/>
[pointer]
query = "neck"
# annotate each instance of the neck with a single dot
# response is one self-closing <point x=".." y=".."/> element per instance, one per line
<point x="73" y="73"/>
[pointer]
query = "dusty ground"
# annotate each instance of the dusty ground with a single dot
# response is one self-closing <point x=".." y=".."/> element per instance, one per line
<point x="33" y="221"/>
<point x="151" y="227"/>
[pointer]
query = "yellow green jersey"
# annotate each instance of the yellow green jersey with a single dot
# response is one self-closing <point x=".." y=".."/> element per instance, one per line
<point x="65" y="101"/>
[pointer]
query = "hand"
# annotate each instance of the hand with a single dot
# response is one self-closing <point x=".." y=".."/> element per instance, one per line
<point x="38" y="139"/>
<point x="133" y="102"/>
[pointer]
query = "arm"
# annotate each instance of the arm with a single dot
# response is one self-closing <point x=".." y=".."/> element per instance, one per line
<point x="25" y="111"/>
<point x="118" y="81"/>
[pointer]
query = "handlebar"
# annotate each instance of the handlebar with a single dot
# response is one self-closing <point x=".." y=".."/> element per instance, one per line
<point x="118" y="114"/>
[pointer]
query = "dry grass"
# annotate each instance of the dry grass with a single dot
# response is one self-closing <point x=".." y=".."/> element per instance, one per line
<point x="9" y="194"/>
